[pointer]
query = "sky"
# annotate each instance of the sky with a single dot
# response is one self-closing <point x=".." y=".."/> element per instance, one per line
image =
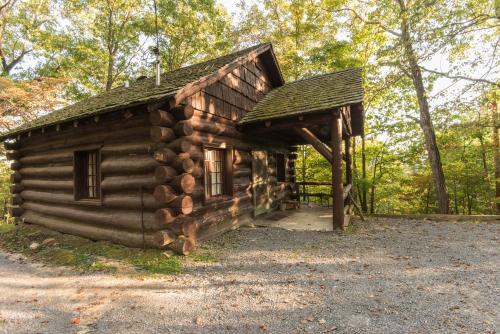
<point x="229" y="4"/>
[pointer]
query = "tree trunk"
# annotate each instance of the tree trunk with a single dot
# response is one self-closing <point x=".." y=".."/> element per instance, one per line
<point x="364" y="204"/>
<point x="372" y="190"/>
<point x="494" y="117"/>
<point x="425" y="117"/>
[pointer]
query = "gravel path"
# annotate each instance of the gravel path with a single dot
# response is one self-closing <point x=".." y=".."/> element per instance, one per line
<point x="390" y="277"/>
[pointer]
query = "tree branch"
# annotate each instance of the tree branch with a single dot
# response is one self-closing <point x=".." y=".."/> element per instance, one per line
<point x="450" y="76"/>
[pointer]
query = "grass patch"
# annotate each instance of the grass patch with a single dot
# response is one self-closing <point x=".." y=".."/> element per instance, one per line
<point x="84" y="255"/>
<point x="4" y="228"/>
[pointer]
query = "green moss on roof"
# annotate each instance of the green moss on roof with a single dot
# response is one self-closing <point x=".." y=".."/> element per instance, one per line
<point x="318" y="93"/>
<point x="142" y="91"/>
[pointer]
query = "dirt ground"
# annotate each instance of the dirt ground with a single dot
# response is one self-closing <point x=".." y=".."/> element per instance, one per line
<point x="388" y="276"/>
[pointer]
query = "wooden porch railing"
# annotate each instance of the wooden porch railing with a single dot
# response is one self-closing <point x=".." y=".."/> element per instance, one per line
<point x="314" y="191"/>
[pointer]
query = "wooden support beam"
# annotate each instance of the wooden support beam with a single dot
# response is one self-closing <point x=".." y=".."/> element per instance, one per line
<point x="337" y="187"/>
<point x="316" y="143"/>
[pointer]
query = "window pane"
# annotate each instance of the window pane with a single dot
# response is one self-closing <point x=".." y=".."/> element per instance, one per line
<point x="213" y="172"/>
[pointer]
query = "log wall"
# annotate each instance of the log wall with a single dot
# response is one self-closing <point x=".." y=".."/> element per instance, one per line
<point x="152" y="173"/>
<point x="43" y="185"/>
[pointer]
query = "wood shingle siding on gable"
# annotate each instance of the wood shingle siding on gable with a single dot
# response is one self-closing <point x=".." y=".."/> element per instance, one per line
<point x="235" y="94"/>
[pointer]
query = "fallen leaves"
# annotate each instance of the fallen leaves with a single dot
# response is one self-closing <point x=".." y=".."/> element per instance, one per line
<point x="75" y="321"/>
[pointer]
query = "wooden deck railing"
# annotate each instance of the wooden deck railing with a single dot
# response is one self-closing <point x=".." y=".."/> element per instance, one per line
<point x="315" y="192"/>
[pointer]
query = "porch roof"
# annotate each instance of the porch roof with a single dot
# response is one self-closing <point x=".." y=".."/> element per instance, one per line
<point x="309" y="95"/>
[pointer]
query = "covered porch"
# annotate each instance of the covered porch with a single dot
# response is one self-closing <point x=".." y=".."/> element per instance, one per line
<point x="325" y="112"/>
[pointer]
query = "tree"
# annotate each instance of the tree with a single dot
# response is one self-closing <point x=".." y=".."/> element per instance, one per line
<point x="25" y="26"/>
<point x="417" y="31"/>
<point x="98" y="47"/>
<point x="190" y="31"/>
<point x="22" y="101"/>
<point x="301" y="33"/>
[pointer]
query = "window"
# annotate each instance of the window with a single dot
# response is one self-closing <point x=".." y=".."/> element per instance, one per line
<point x="87" y="175"/>
<point x="280" y="167"/>
<point x="218" y="172"/>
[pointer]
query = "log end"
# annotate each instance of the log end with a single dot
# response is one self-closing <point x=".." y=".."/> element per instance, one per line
<point x="164" y="216"/>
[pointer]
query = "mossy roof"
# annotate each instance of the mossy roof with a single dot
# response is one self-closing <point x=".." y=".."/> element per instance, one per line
<point x="319" y="93"/>
<point x="139" y="92"/>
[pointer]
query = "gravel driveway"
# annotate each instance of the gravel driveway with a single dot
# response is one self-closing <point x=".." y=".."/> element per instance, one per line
<point x="391" y="276"/>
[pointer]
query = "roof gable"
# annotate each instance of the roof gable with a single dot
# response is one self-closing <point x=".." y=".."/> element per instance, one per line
<point x="177" y="84"/>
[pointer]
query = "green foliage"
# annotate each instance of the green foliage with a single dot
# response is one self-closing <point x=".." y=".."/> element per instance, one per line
<point x="83" y="254"/>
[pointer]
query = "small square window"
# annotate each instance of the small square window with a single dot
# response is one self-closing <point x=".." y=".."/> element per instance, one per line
<point x="87" y="175"/>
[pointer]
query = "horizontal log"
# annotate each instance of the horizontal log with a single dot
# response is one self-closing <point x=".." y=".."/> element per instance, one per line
<point x="65" y="156"/>
<point x="16" y="188"/>
<point x="58" y="171"/>
<point x="16" y="177"/>
<point x="13" y="155"/>
<point x="181" y="145"/>
<point x="131" y="182"/>
<point x="116" y="134"/>
<point x="182" y="204"/>
<point x="132" y="200"/>
<point x="131" y="148"/>
<point x="16" y="199"/>
<point x="79" y="228"/>
<point x="112" y="200"/>
<point x="165" y="174"/>
<point x="121" y="219"/>
<point x="183" y="165"/>
<point x="15" y="165"/>
<point x="237" y="200"/>
<point x="162" y="118"/>
<point x="184" y="183"/>
<point x="215" y="128"/>
<point x="16" y="211"/>
<point x="164" y="194"/>
<point x="140" y="164"/>
<point x="183" y="128"/>
<point x="47" y="184"/>
<point x="164" y="155"/>
<point x="160" y="133"/>
<point x="183" y="112"/>
<point x="201" y="138"/>
<point x="195" y="153"/>
<point x="242" y="172"/>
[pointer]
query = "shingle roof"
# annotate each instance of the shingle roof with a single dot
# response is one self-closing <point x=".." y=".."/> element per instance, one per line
<point x="318" y="93"/>
<point x="139" y="92"/>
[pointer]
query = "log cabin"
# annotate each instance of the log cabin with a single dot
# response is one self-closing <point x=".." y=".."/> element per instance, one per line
<point x="173" y="164"/>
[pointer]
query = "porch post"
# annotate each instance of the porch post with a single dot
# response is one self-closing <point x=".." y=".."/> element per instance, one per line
<point x="348" y="160"/>
<point x="337" y="188"/>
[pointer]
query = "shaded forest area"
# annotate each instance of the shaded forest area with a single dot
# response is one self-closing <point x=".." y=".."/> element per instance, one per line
<point x="430" y="69"/>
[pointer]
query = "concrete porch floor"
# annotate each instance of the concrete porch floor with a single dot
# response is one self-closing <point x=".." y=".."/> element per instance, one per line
<point x="305" y="219"/>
